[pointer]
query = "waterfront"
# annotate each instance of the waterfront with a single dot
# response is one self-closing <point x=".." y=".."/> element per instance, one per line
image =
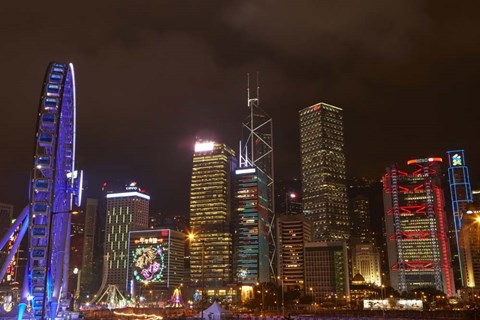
<point x="157" y="314"/>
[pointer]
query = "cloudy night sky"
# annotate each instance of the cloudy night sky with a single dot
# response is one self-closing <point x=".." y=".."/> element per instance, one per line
<point x="153" y="75"/>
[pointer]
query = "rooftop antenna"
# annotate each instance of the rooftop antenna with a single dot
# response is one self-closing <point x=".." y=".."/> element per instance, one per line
<point x="258" y="88"/>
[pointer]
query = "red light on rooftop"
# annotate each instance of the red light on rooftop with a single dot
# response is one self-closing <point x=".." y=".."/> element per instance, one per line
<point x="316" y="108"/>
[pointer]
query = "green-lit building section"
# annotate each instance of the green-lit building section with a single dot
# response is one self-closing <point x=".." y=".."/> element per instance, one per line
<point x="326" y="270"/>
<point x="251" y="260"/>
<point x="324" y="189"/>
<point x="210" y="214"/>
<point x="126" y="211"/>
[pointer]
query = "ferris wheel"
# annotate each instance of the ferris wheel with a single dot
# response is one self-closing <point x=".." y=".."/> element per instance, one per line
<point x="54" y="186"/>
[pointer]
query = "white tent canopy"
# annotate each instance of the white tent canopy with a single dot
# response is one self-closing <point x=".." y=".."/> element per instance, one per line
<point x="214" y="312"/>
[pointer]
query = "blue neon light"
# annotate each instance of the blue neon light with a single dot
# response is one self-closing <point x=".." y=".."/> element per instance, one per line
<point x="460" y="192"/>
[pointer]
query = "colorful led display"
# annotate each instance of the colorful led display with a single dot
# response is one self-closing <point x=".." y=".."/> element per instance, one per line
<point x="148" y="263"/>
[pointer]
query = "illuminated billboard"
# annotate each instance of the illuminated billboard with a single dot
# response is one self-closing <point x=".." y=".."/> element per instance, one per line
<point x="148" y="262"/>
<point x="155" y="257"/>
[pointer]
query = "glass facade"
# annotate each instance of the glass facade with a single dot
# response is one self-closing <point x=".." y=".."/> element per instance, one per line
<point x="323" y="172"/>
<point x="210" y="213"/>
<point x="251" y="261"/>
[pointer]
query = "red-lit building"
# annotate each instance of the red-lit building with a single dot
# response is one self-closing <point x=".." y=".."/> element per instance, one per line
<point x="416" y="226"/>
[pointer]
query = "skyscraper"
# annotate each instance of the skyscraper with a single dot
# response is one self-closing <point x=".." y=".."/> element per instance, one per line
<point x="155" y="260"/>
<point x="256" y="150"/>
<point x="326" y="270"/>
<point x="91" y="212"/>
<point x="288" y="196"/>
<point x="6" y="216"/>
<point x="127" y="210"/>
<point x="251" y="258"/>
<point x="323" y="171"/>
<point x="461" y="198"/>
<point x="210" y="213"/>
<point x="469" y="246"/>
<point x="293" y="232"/>
<point x="416" y="226"/>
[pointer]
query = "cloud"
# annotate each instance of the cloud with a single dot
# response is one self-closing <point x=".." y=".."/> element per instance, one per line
<point x="327" y="29"/>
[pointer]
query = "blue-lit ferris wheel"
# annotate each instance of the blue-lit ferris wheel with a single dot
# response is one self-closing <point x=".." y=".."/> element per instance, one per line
<point x="54" y="186"/>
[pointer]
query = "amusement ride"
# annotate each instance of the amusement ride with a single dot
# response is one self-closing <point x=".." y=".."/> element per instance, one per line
<point x="55" y="186"/>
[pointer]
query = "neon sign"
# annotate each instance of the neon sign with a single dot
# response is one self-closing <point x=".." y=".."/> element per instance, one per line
<point x="149" y="263"/>
<point x="148" y="240"/>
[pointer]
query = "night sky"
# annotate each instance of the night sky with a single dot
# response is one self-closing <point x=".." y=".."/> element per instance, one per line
<point x="153" y="75"/>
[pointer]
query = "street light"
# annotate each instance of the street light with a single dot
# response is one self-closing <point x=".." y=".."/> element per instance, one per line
<point x="263" y="297"/>
<point x="283" y="297"/>
<point x="76" y="294"/>
<point x="49" y="252"/>
<point x="192" y="237"/>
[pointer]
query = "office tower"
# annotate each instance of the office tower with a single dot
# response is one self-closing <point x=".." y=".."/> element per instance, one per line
<point x="6" y="216"/>
<point x="155" y="220"/>
<point x="326" y="271"/>
<point x="127" y="210"/>
<point x="155" y="263"/>
<point x="366" y="261"/>
<point x="323" y="171"/>
<point x="469" y="243"/>
<point x="461" y="197"/>
<point x="469" y="246"/>
<point x="88" y="269"/>
<point x="416" y="227"/>
<point x="293" y="232"/>
<point x="251" y="255"/>
<point x="210" y="214"/>
<point x="288" y="196"/>
<point x="256" y="150"/>
<point x="77" y="236"/>
<point x="360" y="221"/>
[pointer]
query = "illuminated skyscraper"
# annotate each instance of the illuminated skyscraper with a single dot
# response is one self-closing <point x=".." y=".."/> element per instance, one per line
<point x="461" y="197"/>
<point x="256" y="151"/>
<point x="6" y="216"/>
<point x="91" y="212"/>
<point x="251" y="263"/>
<point x="416" y="227"/>
<point x="469" y="243"/>
<point x="288" y="197"/>
<point x="210" y="213"/>
<point x="155" y="260"/>
<point x="326" y="270"/>
<point x="323" y="172"/>
<point x="127" y="210"/>
<point x="293" y="232"/>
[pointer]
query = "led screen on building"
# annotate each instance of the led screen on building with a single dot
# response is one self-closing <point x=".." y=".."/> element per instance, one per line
<point x="148" y="258"/>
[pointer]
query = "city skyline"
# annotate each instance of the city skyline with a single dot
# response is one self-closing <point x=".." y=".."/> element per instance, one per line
<point x="134" y="68"/>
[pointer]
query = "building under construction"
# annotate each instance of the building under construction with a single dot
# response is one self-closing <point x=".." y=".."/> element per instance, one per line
<point x="416" y="226"/>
